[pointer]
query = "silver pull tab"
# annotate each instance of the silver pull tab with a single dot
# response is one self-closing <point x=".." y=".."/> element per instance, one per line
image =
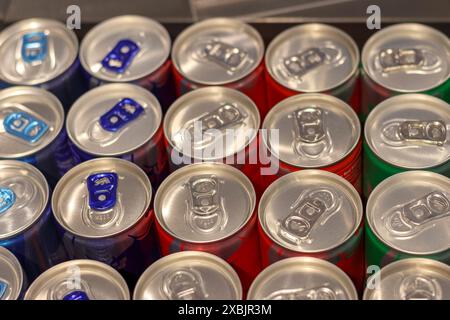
<point x="418" y="287"/>
<point x="228" y="57"/>
<point x="434" y="132"/>
<point x="184" y="284"/>
<point x="394" y="59"/>
<point x="317" y="293"/>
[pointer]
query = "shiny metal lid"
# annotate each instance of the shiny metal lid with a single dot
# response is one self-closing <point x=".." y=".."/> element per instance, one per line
<point x="410" y="131"/>
<point x="125" y="48"/>
<point x="407" y="57"/>
<point x="79" y="280"/>
<point x="211" y="123"/>
<point x="412" y="279"/>
<point x="302" y="278"/>
<point x="24" y="195"/>
<point x="189" y="275"/>
<point x="217" y="51"/>
<point x="35" y="51"/>
<point x="11" y="276"/>
<point x="113" y="119"/>
<point x="101" y="198"/>
<point x="30" y="119"/>
<point x="410" y="212"/>
<point x="310" y="211"/>
<point x="313" y="130"/>
<point x="312" y="58"/>
<point x="204" y="202"/>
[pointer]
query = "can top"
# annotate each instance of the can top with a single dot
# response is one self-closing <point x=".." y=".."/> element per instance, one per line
<point x="113" y="119"/>
<point x="217" y="51"/>
<point x="410" y="131"/>
<point x="311" y="130"/>
<point x="124" y="48"/>
<point x="30" y="119"/>
<point x="204" y="202"/>
<point x="35" y="51"/>
<point x="211" y="123"/>
<point x="189" y="275"/>
<point x="310" y="211"/>
<point x="79" y="280"/>
<point x="407" y="57"/>
<point x="412" y="279"/>
<point x="410" y="212"/>
<point x="101" y="198"/>
<point x="24" y="196"/>
<point x="11" y="276"/>
<point x="302" y="278"/>
<point x="312" y="57"/>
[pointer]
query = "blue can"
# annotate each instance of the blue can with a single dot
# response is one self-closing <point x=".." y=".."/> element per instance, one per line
<point x="13" y="281"/>
<point x="42" y="52"/>
<point x="27" y="227"/>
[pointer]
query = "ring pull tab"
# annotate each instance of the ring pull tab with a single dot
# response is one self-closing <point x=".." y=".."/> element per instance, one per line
<point x="124" y="112"/>
<point x="7" y="199"/>
<point x="228" y="57"/>
<point x="102" y="189"/>
<point x="24" y="126"/>
<point x="317" y="293"/>
<point x="417" y="287"/>
<point x="3" y="289"/>
<point x="415" y="131"/>
<point x="121" y="56"/>
<point x="73" y="288"/>
<point x="395" y="59"/>
<point x="76" y="295"/>
<point x="34" y="47"/>
<point x="184" y="284"/>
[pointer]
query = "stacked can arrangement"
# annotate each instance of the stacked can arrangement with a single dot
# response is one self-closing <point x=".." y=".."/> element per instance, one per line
<point x="125" y="188"/>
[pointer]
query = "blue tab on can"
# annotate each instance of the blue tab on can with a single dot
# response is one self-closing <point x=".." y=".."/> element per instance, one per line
<point x="102" y="189"/>
<point x="121" y="114"/>
<point x="7" y="199"/>
<point x="34" y="47"/>
<point x="121" y="56"/>
<point x="25" y="126"/>
<point x="76" y="295"/>
<point x="3" y="287"/>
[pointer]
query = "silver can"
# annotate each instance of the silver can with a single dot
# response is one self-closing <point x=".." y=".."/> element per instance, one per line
<point x="189" y="275"/>
<point x="79" y="280"/>
<point x="12" y="278"/>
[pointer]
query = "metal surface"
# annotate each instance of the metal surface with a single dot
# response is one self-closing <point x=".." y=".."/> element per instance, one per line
<point x="11" y="276"/>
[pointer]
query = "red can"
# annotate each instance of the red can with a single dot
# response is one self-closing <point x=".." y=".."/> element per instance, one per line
<point x="313" y="213"/>
<point x="313" y="58"/>
<point x="311" y="131"/>
<point x="210" y="207"/>
<point x="223" y="52"/>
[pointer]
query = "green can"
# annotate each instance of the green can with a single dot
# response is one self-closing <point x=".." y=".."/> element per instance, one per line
<point x="406" y="132"/>
<point x="408" y="215"/>
<point x="404" y="58"/>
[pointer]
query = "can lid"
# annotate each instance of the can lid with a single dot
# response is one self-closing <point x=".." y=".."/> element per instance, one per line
<point x="407" y="57"/>
<point x="124" y="48"/>
<point x="312" y="57"/>
<point x="204" y="202"/>
<point x="410" y="212"/>
<point x="35" y="51"/>
<point x="113" y="119"/>
<point x="24" y="196"/>
<point x="79" y="280"/>
<point x="189" y="275"/>
<point x="310" y="211"/>
<point x="410" y="131"/>
<point x="11" y="276"/>
<point x="311" y="130"/>
<point x="412" y="279"/>
<point x="217" y="51"/>
<point x="302" y="278"/>
<point x="101" y="198"/>
<point x="211" y="123"/>
<point x="30" y="119"/>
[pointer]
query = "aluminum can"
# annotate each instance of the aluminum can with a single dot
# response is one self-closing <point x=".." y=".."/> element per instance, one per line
<point x="119" y="120"/>
<point x="131" y="49"/>
<point x="42" y="52"/>
<point x="313" y="58"/>
<point x="408" y="215"/>
<point x="406" y="132"/>
<point x="12" y="278"/>
<point x="189" y="275"/>
<point x="79" y="280"/>
<point x="412" y="279"/>
<point x="220" y="52"/>
<point x="210" y="207"/>
<point x="302" y="278"/>
<point x="404" y="58"/>
<point x="103" y="210"/>
<point x="27" y="228"/>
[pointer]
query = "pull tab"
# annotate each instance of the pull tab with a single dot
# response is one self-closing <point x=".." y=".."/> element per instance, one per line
<point x="34" y="47"/>
<point x="25" y="126"/>
<point x="401" y="58"/>
<point x="102" y="189"/>
<point x="3" y="288"/>
<point x="121" y="56"/>
<point x="184" y="284"/>
<point x="7" y="199"/>
<point x="76" y="295"/>
<point x="125" y="111"/>
<point x="298" y="65"/>
<point x="309" y="124"/>
<point x="419" y="288"/>
<point x="229" y="57"/>
<point x="317" y="293"/>
<point x="434" y="132"/>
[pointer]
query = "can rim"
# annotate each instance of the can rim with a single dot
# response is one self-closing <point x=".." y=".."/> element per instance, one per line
<point x="14" y="262"/>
